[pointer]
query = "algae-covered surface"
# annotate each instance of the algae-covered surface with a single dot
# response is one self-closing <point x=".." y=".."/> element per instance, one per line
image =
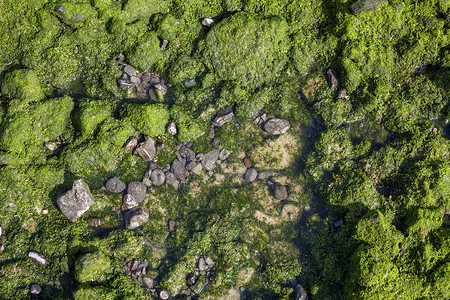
<point x="364" y="85"/>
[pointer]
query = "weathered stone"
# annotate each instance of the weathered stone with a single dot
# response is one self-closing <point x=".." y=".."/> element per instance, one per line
<point x="35" y="289"/>
<point x="223" y="154"/>
<point x="115" y="185"/>
<point x="94" y="222"/>
<point x="178" y="170"/>
<point x="146" y="150"/>
<point x="147" y="181"/>
<point x="208" y="22"/>
<point x="137" y="190"/>
<point x="187" y="153"/>
<point x="129" y="202"/>
<point x="135" y="80"/>
<point x="300" y="293"/>
<point x="164" y="295"/>
<point x="276" y="126"/>
<point x="209" y="159"/>
<point x="332" y="78"/>
<point x="158" y="177"/>
<point x="260" y="119"/>
<point x="280" y="192"/>
<point x="131" y="144"/>
<point x="136" y="217"/>
<point x="172" y="128"/>
<point x="39" y="258"/>
<point x="197" y="170"/>
<point x="264" y="175"/>
<point x="164" y="44"/>
<point x="171" y="225"/>
<point x="338" y="223"/>
<point x="125" y="84"/>
<point x="152" y="165"/>
<point x="223" y="116"/>
<point x="247" y="162"/>
<point x="130" y="70"/>
<point x="362" y="5"/>
<point x="212" y="132"/>
<point x="76" y="201"/>
<point x="250" y="175"/>
<point x="170" y="177"/>
<point x="191" y="165"/>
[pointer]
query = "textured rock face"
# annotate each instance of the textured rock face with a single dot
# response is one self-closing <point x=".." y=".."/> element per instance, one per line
<point x="277" y="126"/>
<point x="75" y="202"/>
<point x="135" y="217"/>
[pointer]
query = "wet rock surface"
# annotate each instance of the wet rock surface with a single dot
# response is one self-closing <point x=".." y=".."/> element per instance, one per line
<point x="75" y="202"/>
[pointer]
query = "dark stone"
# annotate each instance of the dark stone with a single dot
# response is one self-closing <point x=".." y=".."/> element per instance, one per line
<point x="332" y="78"/>
<point x="276" y="126"/>
<point x="250" y="175"/>
<point x="212" y="132"/>
<point x="208" y="22"/>
<point x="342" y="94"/>
<point x="338" y="223"/>
<point x="137" y="190"/>
<point x="363" y="5"/>
<point x="146" y="150"/>
<point x="76" y="201"/>
<point x="280" y="192"/>
<point x="158" y="177"/>
<point x="125" y="84"/>
<point x="223" y="116"/>
<point x="115" y="185"/>
<point x="178" y="170"/>
<point x="247" y="162"/>
<point x="170" y="177"/>
<point x="136" y="217"/>
<point x="187" y="153"/>
<point x="35" y="289"/>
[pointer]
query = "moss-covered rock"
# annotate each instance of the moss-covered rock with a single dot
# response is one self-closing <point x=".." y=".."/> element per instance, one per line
<point x="148" y="119"/>
<point x="147" y="53"/>
<point x="92" y="267"/>
<point x="91" y="113"/>
<point x="22" y="84"/>
<point x="188" y="127"/>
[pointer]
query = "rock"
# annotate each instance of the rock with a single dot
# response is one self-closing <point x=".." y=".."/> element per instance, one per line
<point x="342" y="94"/>
<point x="152" y="165"/>
<point x="332" y="79"/>
<point x="250" y="175"/>
<point x="158" y="177"/>
<point x="276" y="126"/>
<point x="362" y="5"/>
<point x="247" y="162"/>
<point x="115" y="185"/>
<point x="178" y="170"/>
<point x="171" y="225"/>
<point x="223" y="154"/>
<point x="39" y="258"/>
<point x="130" y="70"/>
<point x="135" y="217"/>
<point x="94" y="222"/>
<point x="148" y="282"/>
<point x="212" y="132"/>
<point x="147" y="181"/>
<point x="164" y="295"/>
<point x="187" y="153"/>
<point x="131" y="144"/>
<point x="300" y="293"/>
<point x="78" y="17"/>
<point x="201" y="264"/>
<point x="191" y="279"/>
<point x="170" y="177"/>
<point x="35" y="289"/>
<point x="129" y="202"/>
<point x="135" y="80"/>
<point x="338" y="223"/>
<point x="197" y="170"/>
<point x="209" y="159"/>
<point x="164" y="44"/>
<point x="137" y="190"/>
<point x="125" y="84"/>
<point x="191" y="165"/>
<point x="264" y="175"/>
<point x="1" y="231"/>
<point x="215" y="142"/>
<point x="190" y="83"/>
<point x="172" y="128"/>
<point x="146" y="150"/>
<point x="76" y="201"/>
<point x="260" y="119"/>
<point x="208" y="22"/>
<point x="223" y="116"/>
<point x="280" y="191"/>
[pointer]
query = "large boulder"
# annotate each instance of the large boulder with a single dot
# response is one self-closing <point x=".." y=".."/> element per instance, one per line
<point x="75" y="202"/>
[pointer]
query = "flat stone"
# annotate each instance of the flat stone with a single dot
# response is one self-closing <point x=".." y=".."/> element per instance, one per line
<point x="137" y="190"/>
<point x="178" y="170"/>
<point x="35" y="289"/>
<point x="280" y="192"/>
<point x="223" y="116"/>
<point x="201" y="265"/>
<point x="147" y="181"/>
<point x="250" y="175"/>
<point x="170" y="177"/>
<point x="300" y="293"/>
<point x="223" y="154"/>
<point x="158" y="177"/>
<point x="276" y="126"/>
<point x="164" y="45"/>
<point x="75" y="202"/>
<point x="135" y="217"/>
<point x="153" y="165"/>
<point x="115" y="185"/>
<point x="260" y="119"/>
<point x="172" y="128"/>
<point x="146" y="150"/>
<point x="342" y="94"/>
<point x="39" y="258"/>
<point x="209" y="159"/>
<point x="338" y="223"/>
<point x="164" y="295"/>
<point x="130" y="70"/>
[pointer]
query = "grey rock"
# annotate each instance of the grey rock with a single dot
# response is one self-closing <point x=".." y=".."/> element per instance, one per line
<point x="146" y="150"/>
<point x="209" y="261"/>
<point x="39" y="258"/>
<point x="208" y="22"/>
<point x="276" y="126"/>
<point x="135" y="80"/>
<point x="60" y="9"/>
<point x="75" y="202"/>
<point x="158" y="177"/>
<point x="300" y="293"/>
<point x="338" y="223"/>
<point x="78" y="17"/>
<point x="164" y="295"/>
<point x="129" y="201"/>
<point x="166" y="168"/>
<point x="264" y="175"/>
<point x="201" y="264"/>
<point x="209" y="159"/>
<point x="115" y="185"/>
<point x="223" y="116"/>
<point x="135" y="217"/>
<point x="190" y="83"/>
<point x="223" y="154"/>
<point x="187" y="153"/>
<point x="170" y="177"/>
<point x="164" y="45"/>
<point x="148" y="282"/>
<point x="162" y="87"/>
<point x="137" y="190"/>
<point x="125" y="84"/>
<point x="363" y="5"/>
<point x="191" y="165"/>
<point x="172" y="128"/>
<point x="197" y="170"/>
<point x="215" y="142"/>
<point x="130" y="70"/>
<point x="152" y="165"/>
<point x="178" y="170"/>
<point x="342" y="94"/>
<point x="131" y="144"/>
<point x="191" y="279"/>
<point x="212" y="132"/>
<point x="250" y="175"/>
<point x="35" y="289"/>
<point x="280" y="192"/>
<point x="2" y="248"/>
<point x="120" y="57"/>
<point x="147" y="181"/>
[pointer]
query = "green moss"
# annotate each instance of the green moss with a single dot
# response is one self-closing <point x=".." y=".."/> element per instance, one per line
<point x="22" y="84"/>
<point x="147" y="53"/>
<point x="183" y="68"/>
<point x="148" y="119"/>
<point x="90" y="114"/>
<point x="115" y="131"/>
<point x="92" y="267"/>
<point x="88" y="292"/>
<point x="168" y="27"/>
<point x="189" y="128"/>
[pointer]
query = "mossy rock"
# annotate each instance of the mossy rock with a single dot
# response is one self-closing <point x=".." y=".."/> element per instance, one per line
<point x="247" y="48"/>
<point x="147" y="53"/>
<point x="86" y="292"/>
<point x="148" y="119"/>
<point x="183" y="68"/>
<point x="23" y="84"/>
<point x="90" y="113"/>
<point x="115" y="131"/>
<point x="168" y="27"/>
<point x="189" y="128"/>
<point x="92" y="267"/>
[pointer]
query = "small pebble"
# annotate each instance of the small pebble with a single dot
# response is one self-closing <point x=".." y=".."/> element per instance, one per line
<point x="115" y="185"/>
<point x="137" y="190"/>
<point x="38" y="258"/>
<point x="163" y="294"/>
<point x="224" y="154"/>
<point x="212" y="132"/>
<point x="131" y="144"/>
<point x="152" y="165"/>
<point x="264" y="175"/>
<point x="147" y="181"/>
<point x="215" y="142"/>
<point x="208" y="22"/>
<point x="250" y="175"/>
<point x="35" y="289"/>
<point x="172" y="128"/>
<point x="247" y="162"/>
<point x="171" y="225"/>
<point x="94" y="222"/>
